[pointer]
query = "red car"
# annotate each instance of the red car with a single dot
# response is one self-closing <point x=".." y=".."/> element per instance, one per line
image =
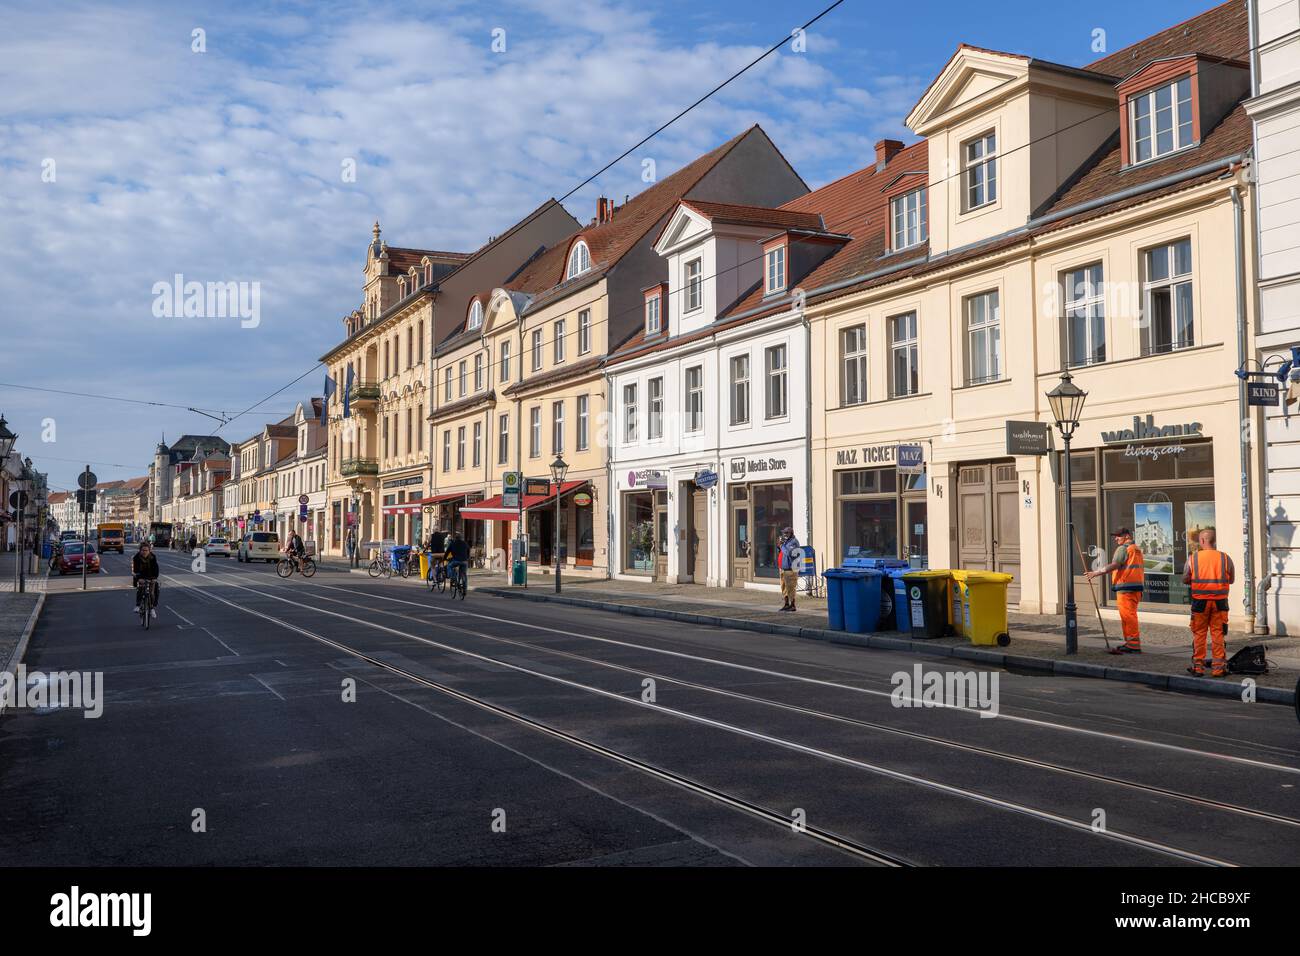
<point x="70" y="559"/>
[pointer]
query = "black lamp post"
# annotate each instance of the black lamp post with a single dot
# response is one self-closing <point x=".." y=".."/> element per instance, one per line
<point x="559" y="468"/>
<point x="7" y="441"/>
<point x="1067" y="401"/>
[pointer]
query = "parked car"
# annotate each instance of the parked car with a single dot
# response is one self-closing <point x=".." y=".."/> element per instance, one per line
<point x="260" y="546"/>
<point x="69" y="536"/>
<point x="73" y="554"/>
<point x="217" y="546"/>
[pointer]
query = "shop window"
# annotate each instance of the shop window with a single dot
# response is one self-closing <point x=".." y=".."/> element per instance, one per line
<point x="871" y="525"/>
<point x="773" y="511"/>
<point x="867" y="481"/>
<point x="638" y="532"/>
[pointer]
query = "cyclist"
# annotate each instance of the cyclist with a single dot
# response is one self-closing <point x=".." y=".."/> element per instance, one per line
<point x="144" y="567"/>
<point x="457" y="552"/>
<point x="438" y="548"/>
<point x="295" y="549"/>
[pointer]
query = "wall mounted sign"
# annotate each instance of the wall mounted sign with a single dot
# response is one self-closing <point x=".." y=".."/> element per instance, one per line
<point x="537" y="486"/>
<point x="647" y="478"/>
<point x="582" y="499"/>
<point x="706" y="478"/>
<point x="1145" y="430"/>
<point x="404" y="482"/>
<point x="750" y="469"/>
<point x="511" y="484"/>
<point x="868" y="455"/>
<point x="1028" y="438"/>
<point x="1262" y="394"/>
<point x="911" y="459"/>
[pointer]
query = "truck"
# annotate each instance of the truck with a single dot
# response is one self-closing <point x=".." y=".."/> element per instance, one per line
<point x="160" y="533"/>
<point x="112" y="536"/>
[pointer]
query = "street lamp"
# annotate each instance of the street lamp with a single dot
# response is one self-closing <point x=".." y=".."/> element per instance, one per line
<point x="7" y="439"/>
<point x="559" y="468"/>
<point x="1067" y="401"/>
<point x="354" y="558"/>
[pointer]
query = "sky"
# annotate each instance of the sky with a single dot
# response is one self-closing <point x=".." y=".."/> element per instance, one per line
<point x="261" y="150"/>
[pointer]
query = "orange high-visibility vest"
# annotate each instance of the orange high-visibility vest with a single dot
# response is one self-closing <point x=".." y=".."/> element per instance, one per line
<point x="1130" y="575"/>
<point x="1210" y="575"/>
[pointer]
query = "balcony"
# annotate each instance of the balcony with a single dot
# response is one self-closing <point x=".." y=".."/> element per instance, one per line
<point x="366" y="392"/>
<point x="352" y="467"/>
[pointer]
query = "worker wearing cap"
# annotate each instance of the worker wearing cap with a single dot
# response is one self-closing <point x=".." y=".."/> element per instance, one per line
<point x="1209" y="573"/>
<point x="1128" y="575"/>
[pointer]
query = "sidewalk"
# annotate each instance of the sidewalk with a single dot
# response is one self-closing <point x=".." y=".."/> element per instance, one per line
<point x="33" y="583"/>
<point x="1037" y="640"/>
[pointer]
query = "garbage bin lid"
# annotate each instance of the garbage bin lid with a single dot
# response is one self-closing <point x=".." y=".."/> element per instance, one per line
<point x="874" y="563"/>
<point x="987" y="577"/>
<point x="932" y="573"/>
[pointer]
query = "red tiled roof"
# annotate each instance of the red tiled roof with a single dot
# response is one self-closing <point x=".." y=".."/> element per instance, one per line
<point x="1223" y="31"/>
<point x="755" y="215"/>
<point x="401" y="260"/>
<point x="610" y="241"/>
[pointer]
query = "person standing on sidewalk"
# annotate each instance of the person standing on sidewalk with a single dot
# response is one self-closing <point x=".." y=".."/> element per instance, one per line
<point x="789" y="552"/>
<point x="1209" y="573"/>
<point x="1128" y="576"/>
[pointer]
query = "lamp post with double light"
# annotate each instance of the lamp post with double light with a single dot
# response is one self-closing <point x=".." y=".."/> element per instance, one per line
<point x="559" y="468"/>
<point x="1067" y="401"/>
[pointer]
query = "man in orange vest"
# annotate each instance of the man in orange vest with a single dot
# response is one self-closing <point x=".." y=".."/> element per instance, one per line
<point x="1128" y="576"/>
<point x="1209" y="573"/>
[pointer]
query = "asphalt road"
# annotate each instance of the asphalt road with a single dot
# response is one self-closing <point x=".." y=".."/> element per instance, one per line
<point x="502" y="732"/>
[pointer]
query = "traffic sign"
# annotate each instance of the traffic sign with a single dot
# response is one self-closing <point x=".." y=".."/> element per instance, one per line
<point x="511" y="482"/>
<point x="87" y="479"/>
<point x="303" y="499"/>
<point x="18" y="499"/>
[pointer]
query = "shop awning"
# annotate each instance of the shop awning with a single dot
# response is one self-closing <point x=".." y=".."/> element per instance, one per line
<point x="406" y="508"/>
<point x="439" y="499"/>
<point x="491" y="509"/>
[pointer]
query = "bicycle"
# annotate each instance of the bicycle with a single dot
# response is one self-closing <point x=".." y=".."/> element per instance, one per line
<point x="409" y="565"/>
<point x="146" y="599"/>
<point x="381" y="567"/>
<point x="286" y="566"/>
<point x="458" y="582"/>
<point x="436" y="580"/>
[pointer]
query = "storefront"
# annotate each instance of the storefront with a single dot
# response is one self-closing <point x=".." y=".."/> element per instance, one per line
<point x="576" y="537"/>
<point x="644" y="533"/>
<point x="880" y="509"/>
<point x="1161" y="487"/>
<point x="402" y="514"/>
<point x="761" y="502"/>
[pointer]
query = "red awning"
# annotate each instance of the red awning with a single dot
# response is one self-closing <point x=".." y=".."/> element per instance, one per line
<point x="491" y="509"/>
<point x="406" y="508"/>
<point x="438" y="499"/>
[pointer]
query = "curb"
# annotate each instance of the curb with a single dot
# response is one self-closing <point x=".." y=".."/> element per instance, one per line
<point x="16" y="658"/>
<point x="1039" y="665"/>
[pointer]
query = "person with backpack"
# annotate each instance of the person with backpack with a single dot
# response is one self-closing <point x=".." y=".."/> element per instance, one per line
<point x="788" y="555"/>
<point x="1209" y="573"/>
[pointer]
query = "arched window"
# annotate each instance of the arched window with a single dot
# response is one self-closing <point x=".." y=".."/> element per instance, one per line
<point x="475" y="315"/>
<point x="579" y="260"/>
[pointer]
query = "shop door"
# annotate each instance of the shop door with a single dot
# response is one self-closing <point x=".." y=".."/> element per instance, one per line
<point x="918" y="549"/>
<point x="661" y="536"/>
<point x="740" y="541"/>
<point x="698" y="539"/>
<point x="988" y="521"/>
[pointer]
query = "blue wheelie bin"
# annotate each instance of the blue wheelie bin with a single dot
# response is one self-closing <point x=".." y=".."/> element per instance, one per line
<point x="862" y="600"/>
<point x="889" y="589"/>
<point x="835" y="578"/>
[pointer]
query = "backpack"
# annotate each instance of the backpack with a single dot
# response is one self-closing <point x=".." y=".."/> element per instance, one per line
<point x="1251" y="659"/>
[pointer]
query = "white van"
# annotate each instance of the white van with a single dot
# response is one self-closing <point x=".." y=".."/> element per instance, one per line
<point x="260" y="546"/>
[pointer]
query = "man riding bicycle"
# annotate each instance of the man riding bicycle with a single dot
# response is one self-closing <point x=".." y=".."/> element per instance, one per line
<point x="295" y="549"/>
<point x="457" y="556"/>
<point x="144" y="570"/>
<point x="437" y="550"/>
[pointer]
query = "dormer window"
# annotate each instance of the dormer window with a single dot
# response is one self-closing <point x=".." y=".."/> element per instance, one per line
<point x="1160" y="120"/>
<point x="775" y="270"/>
<point x="909" y="216"/>
<point x="579" y="260"/>
<point x="653" y="318"/>
<point x="980" y="170"/>
<point x="694" y="284"/>
<point x="475" y="315"/>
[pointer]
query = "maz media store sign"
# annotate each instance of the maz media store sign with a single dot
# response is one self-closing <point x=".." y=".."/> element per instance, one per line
<point x="758" y="469"/>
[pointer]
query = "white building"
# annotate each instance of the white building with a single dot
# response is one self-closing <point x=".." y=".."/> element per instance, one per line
<point x="709" y="434"/>
<point x="302" y="474"/>
<point x="1274" y="109"/>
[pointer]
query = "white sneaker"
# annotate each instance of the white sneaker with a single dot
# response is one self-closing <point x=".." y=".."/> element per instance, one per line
<point x="153" y="611"/>
<point x="137" y="609"/>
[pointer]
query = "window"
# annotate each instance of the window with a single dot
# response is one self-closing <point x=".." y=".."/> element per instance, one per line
<point x="909" y="216"/>
<point x="653" y="322"/>
<point x="584" y="417"/>
<point x="557" y="428"/>
<point x="853" y="365"/>
<point x="446" y="384"/>
<point x="386" y="452"/>
<point x="584" y="331"/>
<point x="503" y="439"/>
<point x="694" y="284"/>
<point x="446" y="449"/>
<point x="419" y="428"/>
<point x="904" y="360"/>
<point x="983" y="339"/>
<point x="505" y="360"/>
<point x="655" y="420"/>
<point x="420" y="347"/>
<point x="1167" y="295"/>
<point x="629" y="413"/>
<point x="775" y="270"/>
<point x="579" y="260"/>
<point x="410" y="346"/>
<point x="460" y="447"/>
<point x="463" y="375"/>
<point x="385" y="358"/>
<point x="559" y="342"/>
<point x="537" y="350"/>
<point x="1160" y="120"/>
<point x="535" y="432"/>
<point x="740" y="390"/>
<point x="478" y="372"/>
<point x="776" y="394"/>
<point x="409" y="413"/>
<point x="1085" y="316"/>
<point x="478" y="444"/>
<point x="980" y="164"/>
<point x="695" y="398"/>
<point x="475" y="315"/>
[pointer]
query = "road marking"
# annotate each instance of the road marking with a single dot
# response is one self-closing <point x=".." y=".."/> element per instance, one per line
<point x="224" y="644"/>
<point x="1002" y="715"/>
<point x="995" y="802"/>
<point x="266" y="685"/>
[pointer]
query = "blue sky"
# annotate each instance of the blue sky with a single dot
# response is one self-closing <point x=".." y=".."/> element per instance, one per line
<point x="226" y="165"/>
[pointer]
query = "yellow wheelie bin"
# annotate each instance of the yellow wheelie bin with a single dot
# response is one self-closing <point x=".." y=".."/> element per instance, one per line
<point x="424" y="565"/>
<point x="956" y="599"/>
<point x="984" y="607"/>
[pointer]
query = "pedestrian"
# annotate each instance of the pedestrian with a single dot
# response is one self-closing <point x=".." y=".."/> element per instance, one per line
<point x="1209" y="573"/>
<point x="350" y="545"/>
<point x="1128" y="575"/>
<point x="788" y="555"/>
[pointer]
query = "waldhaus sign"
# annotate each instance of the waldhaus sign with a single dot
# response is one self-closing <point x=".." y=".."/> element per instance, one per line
<point x="1144" y="430"/>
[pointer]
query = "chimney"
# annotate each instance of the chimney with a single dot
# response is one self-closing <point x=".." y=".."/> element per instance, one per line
<point x="604" y="210"/>
<point x="886" y="150"/>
